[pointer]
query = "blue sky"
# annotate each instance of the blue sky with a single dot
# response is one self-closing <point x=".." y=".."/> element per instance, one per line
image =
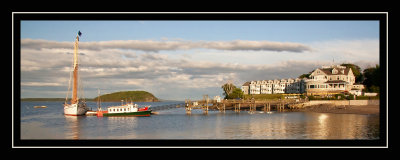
<point x="293" y="31"/>
<point x="186" y="58"/>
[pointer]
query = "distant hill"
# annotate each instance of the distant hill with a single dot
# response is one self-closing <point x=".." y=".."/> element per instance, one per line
<point x="135" y="96"/>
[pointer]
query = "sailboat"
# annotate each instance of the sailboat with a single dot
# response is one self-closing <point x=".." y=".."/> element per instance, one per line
<point x="77" y="106"/>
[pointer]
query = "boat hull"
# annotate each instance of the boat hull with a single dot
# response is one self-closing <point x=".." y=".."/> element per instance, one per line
<point x="139" y="113"/>
<point x="77" y="109"/>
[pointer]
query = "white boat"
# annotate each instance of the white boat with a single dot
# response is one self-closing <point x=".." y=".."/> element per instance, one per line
<point x="129" y="109"/>
<point x="77" y="107"/>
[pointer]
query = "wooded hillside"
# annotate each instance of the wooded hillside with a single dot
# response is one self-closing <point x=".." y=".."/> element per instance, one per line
<point x="135" y="96"/>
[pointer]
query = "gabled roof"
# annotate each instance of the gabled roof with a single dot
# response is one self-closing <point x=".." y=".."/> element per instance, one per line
<point x="246" y="84"/>
<point x="328" y="71"/>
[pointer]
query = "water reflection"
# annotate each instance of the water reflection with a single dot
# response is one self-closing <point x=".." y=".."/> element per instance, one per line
<point x="72" y="126"/>
<point x="301" y="126"/>
<point x="122" y="127"/>
<point x="322" y="127"/>
<point x="338" y="126"/>
<point x="50" y="123"/>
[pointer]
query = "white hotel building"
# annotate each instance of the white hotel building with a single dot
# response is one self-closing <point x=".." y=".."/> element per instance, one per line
<point x="274" y="86"/>
<point x="323" y="81"/>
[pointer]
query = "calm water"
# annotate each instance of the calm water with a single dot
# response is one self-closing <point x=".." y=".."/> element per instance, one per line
<point x="173" y="123"/>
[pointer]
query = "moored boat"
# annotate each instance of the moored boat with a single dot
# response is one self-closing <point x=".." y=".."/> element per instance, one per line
<point x="77" y="107"/>
<point x="129" y="109"/>
<point x="39" y="106"/>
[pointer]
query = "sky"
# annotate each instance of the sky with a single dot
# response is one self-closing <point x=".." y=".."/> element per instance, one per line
<point x="176" y="60"/>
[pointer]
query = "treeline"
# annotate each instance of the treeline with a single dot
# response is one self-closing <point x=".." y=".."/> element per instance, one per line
<point x="135" y="96"/>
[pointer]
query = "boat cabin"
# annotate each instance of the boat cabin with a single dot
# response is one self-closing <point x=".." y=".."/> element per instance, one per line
<point x="123" y="109"/>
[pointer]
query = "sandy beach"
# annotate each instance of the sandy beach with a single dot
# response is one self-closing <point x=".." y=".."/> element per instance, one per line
<point x="340" y="109"/>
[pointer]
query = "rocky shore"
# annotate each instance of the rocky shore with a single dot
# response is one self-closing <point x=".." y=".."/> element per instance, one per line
<point x="343" y="109"/>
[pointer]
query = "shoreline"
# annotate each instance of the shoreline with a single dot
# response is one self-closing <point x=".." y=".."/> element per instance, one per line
<point x="343" y="109"/>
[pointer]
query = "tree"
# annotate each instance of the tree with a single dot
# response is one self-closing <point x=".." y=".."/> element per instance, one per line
<point x="236" y="93"/>
<point x="305" y="75"/>
<point x="356" y="71"/>
<point x="228" y="88"/>
<point x="372" y="79"/>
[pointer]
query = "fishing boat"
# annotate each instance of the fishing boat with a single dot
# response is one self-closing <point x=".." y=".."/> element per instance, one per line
<point x="129" y="109"/>
<point x="77" y="106"/>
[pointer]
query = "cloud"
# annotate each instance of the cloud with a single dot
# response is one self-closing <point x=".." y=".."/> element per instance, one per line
<point x="257" y="46"/>
<point x="176" y="74"/>
<point x="39" y="84"/>
<point x="156" y="46"/>
<point x="347" y="50"/>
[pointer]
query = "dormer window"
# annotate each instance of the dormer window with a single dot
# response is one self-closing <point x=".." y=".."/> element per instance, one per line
<point x="334" y="71"/>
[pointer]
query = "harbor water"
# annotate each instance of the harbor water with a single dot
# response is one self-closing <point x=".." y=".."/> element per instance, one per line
<point x="173" y="123"/>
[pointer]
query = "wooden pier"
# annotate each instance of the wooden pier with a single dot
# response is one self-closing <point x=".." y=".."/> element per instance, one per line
<point x="238" y="105"/>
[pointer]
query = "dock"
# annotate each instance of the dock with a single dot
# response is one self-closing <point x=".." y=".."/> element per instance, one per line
<point x="238" y="105"/>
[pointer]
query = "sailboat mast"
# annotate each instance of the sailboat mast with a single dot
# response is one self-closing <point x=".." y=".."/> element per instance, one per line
<point x="75" y="84"/>
<point x="98" y="100"/>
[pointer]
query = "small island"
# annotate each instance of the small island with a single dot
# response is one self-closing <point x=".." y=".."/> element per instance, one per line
<point x="135" y="96"/>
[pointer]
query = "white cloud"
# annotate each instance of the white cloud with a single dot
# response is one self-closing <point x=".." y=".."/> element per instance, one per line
<point x="46" y="65"/>
<point x="347" y="50"/>
<point x="39" y="84"/>
<point x="155" y="46"/>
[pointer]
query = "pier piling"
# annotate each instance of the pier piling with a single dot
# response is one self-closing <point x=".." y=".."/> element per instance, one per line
<point x="237" y="105"/>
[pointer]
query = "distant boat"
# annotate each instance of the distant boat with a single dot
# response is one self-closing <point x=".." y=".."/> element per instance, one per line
<point x="77" y="106"/>
<point x="128" y="109"/>
<point x="39" y="106"/>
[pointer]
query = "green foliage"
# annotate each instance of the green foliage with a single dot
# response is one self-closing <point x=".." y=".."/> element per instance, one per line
<point x="367" y="97"/>
<point x="228" y="89"/>
<point x="263" y="96"/>
<point x="236" y="93"/>
<point x="135" y="96"/>
<point x="339" y="96"/>
<point x="350" y="97"/>
<point x="372" y="79"/>
<point x="305" y="75"/>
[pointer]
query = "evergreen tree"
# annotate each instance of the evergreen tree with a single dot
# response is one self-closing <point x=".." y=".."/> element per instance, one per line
<point x="372" y="79"/>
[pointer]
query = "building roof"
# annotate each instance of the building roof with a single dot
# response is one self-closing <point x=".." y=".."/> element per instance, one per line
<point x="246" y="84"/>
<point x="328" y="71"/>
